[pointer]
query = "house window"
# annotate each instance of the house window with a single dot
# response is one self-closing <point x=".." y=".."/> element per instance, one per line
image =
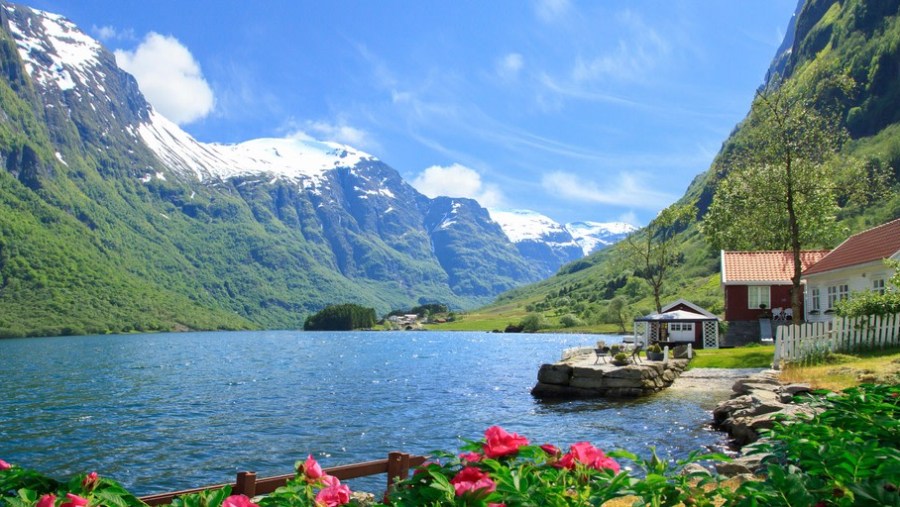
<point x="815" y="304"/>
<point x="878" y="285"/>
<point x="837" y="293"/>
<point x="758" y="295"/>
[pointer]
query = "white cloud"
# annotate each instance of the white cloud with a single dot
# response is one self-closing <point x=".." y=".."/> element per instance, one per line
<point x="169" y="77"/>
<point x="551" y="10"/>
<point x="627" y="191"/>
<point x="340" y="132"/>
<point x="510" y="65"/>
<point x="630" y="217"/>
<point x="458" y="181"/>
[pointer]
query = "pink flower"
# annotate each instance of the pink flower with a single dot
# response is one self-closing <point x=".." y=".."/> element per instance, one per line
<point x="47" y="500"/>
<point x="472" y="480"/>
<point x="500" y="443"/>
<point x="311" y="469"/>
<point x="74" y="501"/>
<point x="471" y="457"/>
<point x="551" y="449"/>
<point x="238" y="501"/>
<point x="90" y="481"/>
<point x="333" y="496"/>
<point x="4" y="465"/>
<point x="330" y="480"/>
<point x="588" y="455"/>
<point x="496" y="505"/>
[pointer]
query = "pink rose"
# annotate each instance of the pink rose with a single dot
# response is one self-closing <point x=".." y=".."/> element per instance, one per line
<point x="472" y="480"/>
<point x="588" y="455"/>
<point x="90" y="481"/>
<point x="471" y="457"/>
<point x="47" y="500"/>
<point x="500" y="443"/>
<point x="330" y="480"/>
<point x="4" y="465"/>
<point x="74" y="501"/>
<point x="311" y="469"/>
<point x="333" y="496"/>
<point x="496" y="505"/>
<point x="238" y="501"/>
<point x="551" y="449"/>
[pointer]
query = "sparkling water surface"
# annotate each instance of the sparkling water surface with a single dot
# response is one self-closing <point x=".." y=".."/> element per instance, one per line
<point x="162" y="412"/>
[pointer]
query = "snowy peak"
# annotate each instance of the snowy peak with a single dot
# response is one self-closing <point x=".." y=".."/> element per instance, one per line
<point x="53" y="49"/>
<point x="300" y="158"/>
<point x="523" y="225"/>
<point x="593" y="236"/>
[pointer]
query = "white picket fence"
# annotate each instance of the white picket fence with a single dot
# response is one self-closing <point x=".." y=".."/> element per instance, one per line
<point x="796" y="343"/>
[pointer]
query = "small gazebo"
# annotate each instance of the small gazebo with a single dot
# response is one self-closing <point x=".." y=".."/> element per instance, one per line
<point x="681" y="322"/>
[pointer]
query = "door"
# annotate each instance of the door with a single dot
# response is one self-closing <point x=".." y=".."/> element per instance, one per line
<point x="681" y="331"/>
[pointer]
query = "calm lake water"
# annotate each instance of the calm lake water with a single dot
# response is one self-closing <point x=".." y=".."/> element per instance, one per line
<point x="163" y="412"/>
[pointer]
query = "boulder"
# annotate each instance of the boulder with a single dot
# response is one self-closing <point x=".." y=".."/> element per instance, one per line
<point x="554" y="374"/>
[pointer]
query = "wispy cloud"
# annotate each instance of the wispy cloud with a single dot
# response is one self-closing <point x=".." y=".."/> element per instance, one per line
<point x="626" y="191"/>
<point x="635" y="57"/>
<point x="551" y="10"/>
<point x="509" y="66"/>
<point x="169" y="77"/>
<point x="457" y="180"/>
<point x="109" y="33"/>
<point x="339" y="131"/>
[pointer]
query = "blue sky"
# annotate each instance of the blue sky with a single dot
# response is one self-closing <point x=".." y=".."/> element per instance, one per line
<point x="579" y="110"/>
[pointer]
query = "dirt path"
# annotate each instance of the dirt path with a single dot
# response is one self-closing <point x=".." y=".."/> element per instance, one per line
<point x="712" y="378"/>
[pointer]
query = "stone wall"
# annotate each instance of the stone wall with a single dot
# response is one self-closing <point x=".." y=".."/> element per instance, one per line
<point x="561" y="380"/>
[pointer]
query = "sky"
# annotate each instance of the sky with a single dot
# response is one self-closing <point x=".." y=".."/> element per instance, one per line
<point x="596" y="110"/>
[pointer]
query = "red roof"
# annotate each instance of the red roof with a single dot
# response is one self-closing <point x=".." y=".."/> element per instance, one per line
<point x="768" y="266"/>
<point x="872" y="245"/>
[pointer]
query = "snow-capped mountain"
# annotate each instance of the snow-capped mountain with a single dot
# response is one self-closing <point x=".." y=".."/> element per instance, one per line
<point x="257" y="233"/>
<point x="544" y="241"/>
<point x="593" y="236"/>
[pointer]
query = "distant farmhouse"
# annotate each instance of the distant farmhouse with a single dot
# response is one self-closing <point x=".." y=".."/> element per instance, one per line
<point x="757" y="285"/>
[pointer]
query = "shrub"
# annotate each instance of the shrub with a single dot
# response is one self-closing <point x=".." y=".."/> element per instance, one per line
<point x="533" y="322"/>
<point x="570" y="320"/>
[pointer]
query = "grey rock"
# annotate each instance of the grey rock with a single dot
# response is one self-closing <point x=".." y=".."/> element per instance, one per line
<point x="554" y="374"/>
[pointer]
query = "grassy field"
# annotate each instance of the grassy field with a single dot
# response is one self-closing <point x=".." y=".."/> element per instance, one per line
<point x="842" y="370"/>
<point x="740" y="357"/>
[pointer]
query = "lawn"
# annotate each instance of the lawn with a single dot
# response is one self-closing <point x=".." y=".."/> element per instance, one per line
<point x="841" y="371"/>
<point x="753" y="356"/>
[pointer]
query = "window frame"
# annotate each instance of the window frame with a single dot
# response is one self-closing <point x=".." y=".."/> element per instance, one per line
<point x="754" y="293"/>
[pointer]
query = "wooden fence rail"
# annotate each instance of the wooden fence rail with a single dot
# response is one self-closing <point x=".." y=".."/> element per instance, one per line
<point x="396" y="466"/>
<point x="799" y="342"/>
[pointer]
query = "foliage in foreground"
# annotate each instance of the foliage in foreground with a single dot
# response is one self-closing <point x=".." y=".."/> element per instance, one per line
<point x="846" y="455"/>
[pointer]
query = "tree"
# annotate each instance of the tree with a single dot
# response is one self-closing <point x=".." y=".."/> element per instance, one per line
<point x="781" y="187"/>
<point x="652" y="251"/>
<point x="616" y="312"/>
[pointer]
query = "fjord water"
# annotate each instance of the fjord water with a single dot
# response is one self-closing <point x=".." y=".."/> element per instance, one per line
<point x="163" y="412"/>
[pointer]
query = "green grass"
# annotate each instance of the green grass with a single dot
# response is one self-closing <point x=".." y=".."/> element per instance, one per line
<point x="754" y="356"/>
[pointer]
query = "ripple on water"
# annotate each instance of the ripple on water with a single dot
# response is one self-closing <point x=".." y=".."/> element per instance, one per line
<point x="170" y="411"/>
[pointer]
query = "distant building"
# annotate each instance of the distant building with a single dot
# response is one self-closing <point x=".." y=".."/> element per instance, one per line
<point x="681" y="322"/>
<point x="758" y="285"/>
<point x="855" y="265"/>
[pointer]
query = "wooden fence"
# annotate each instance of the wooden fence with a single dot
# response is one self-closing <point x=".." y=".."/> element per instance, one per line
<point x="799" y="342"/>
<point x="396" y="466"/>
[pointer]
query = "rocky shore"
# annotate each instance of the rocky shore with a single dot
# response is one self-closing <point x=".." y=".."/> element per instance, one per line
<point x="756" y="401"/>
<point x="582" y="379"/>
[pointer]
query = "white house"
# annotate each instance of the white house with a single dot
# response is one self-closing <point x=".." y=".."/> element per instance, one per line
<point x="855" y="265"/>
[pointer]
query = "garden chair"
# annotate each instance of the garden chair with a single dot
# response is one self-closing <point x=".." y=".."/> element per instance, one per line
<point x="636" y="352"/>
<point x="777" y="314"/>
<point x="788" y="314"/>
<point x="602" y="353"/>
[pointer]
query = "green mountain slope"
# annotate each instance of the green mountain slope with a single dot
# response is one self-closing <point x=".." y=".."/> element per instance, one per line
<point x="852" y="37"/>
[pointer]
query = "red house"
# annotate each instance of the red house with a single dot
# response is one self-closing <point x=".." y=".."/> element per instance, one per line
<point x="758" y="285"/>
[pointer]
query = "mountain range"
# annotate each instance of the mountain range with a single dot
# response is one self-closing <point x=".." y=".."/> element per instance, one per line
<point x="113" y="219"/>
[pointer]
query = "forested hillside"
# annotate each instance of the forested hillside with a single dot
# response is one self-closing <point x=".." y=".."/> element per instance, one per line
<point x="841" y="55"/>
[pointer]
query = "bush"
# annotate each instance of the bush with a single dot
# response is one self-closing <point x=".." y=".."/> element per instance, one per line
<point x="533" y="322"/>
<point x="570" y="320"/>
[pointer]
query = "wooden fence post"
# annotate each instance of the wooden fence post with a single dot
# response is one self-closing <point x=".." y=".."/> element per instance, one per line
<point x="245" y="484"/>
<point x="397" y="470"/>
